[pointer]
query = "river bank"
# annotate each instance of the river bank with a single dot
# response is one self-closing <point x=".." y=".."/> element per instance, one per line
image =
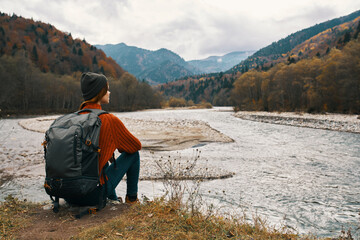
<point x="157" y="219"/>
<point x="289" y="175"/>
<point x="156" y="136"/>
<point x="328" y="121"/>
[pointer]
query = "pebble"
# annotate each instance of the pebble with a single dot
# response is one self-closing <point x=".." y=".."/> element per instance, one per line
<point x="334" y="122"/>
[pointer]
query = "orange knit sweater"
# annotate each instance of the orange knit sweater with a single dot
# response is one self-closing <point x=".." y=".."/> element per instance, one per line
<point x="113" y="135"/>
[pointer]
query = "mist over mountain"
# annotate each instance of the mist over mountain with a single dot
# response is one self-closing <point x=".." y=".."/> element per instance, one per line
<point x="163" y="65"/>
<point x="220" y="63"/>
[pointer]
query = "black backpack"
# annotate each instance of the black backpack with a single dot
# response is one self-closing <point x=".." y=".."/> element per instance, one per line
<point x="72" y="151"/>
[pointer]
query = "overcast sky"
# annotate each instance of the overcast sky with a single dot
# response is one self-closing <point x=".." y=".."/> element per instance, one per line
<point x="194" y="29"/>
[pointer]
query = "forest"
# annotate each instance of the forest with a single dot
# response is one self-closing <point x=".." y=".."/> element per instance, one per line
<point x="27" y="90"/>
<point x="318" y="84"/>
<point x="333" y="30"/>
<point x="212" y="88"/>
<point x="40" y="69"/>
<point x="290" y="82"/>
<point x="52" y="50"/>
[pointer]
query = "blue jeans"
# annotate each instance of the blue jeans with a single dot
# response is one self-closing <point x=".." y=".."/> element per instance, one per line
<point x="125" y="163"/>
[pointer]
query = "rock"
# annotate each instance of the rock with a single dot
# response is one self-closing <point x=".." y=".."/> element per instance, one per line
<point x="47" y="207"/>
<point x="335" y="122"/>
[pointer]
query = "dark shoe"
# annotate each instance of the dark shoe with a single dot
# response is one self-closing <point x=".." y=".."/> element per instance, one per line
<point x="128" y="201"/>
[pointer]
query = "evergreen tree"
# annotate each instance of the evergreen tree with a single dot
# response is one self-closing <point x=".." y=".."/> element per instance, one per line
<point x="347" y="37"/>
<point x="94" y="60"/>
<point x="44" y="39"/>
<point x="35" y="56"/>
<point x="80" y="52"/>
<point x="291" y="60"/>
<point x="327" y="50"/>
<point x="357" y="31"/>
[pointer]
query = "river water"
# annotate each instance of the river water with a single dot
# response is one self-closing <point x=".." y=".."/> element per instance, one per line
<point x="305" y="179"/>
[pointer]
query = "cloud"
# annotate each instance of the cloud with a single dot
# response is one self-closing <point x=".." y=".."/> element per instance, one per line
<point x="305" y="18"/>
<point x="193" y="29"/>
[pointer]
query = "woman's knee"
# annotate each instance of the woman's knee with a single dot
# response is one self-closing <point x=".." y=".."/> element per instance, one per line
<point x="135" y="155"/>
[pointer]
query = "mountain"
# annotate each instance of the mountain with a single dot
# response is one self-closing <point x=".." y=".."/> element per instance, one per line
<point x="319" y="83"/>
<point x="166" y="70"/>
<point x="40" y="69"/>
<point x="320" y="44"/>
<point x="156" y="67"/>
<point x="163" y="65"/>
<point x="282" y="47"/>
<point x="52" y="50"/>
<point x="220" y="63"/>
<point x="316" y="41"/>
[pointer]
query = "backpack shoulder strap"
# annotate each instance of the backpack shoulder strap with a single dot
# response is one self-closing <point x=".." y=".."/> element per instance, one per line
<point x="102" y="112"/>
<point x="93" y="110"/>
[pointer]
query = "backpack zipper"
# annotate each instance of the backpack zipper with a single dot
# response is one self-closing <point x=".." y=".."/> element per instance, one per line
<point x="75" y="145"/>
<point x="76" y="138"/>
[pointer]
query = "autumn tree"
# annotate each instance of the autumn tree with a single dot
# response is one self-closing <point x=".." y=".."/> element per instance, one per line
<point x="317" y="84"/>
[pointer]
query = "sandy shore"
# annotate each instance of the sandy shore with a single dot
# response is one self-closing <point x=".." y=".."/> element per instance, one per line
<point x="329" y="121"/>
<point x="157" y="138"/>
<point x="154" y="135"/>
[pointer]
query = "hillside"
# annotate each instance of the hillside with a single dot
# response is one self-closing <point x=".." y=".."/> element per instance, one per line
<point x="280" y="48"/>
<point x="220" y="63"/>
<point x="216" y="87"/>
<point x="163" y="65"/>
<point x="317" y="84"/>
<point x="166" y="71"/>
<point x="156" y="67"/>
<point x="40" y="69"/>
<point x="52" y="50"/>
<point x="320" y="44"/>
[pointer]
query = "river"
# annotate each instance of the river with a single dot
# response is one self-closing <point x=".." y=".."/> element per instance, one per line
<point x="305" y="179"/>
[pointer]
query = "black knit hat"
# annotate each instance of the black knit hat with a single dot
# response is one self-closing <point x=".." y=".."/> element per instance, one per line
<point x="91" y="84"/>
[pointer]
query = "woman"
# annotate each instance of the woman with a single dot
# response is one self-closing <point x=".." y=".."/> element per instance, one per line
<point x="113" y="135"/>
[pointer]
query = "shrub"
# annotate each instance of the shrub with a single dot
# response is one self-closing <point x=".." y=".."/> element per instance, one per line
<point x="177" y="102"/>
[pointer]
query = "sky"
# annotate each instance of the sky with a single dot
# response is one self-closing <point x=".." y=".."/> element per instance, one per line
<point x="194" y="29"/>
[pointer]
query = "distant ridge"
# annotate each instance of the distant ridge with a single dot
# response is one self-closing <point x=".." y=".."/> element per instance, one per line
<point x="156" y="67"/>
<point x="285" y="45"/>
<point x="220" y="63"/>
<point x="315" y="41"/>
<point x="163" y="65"/>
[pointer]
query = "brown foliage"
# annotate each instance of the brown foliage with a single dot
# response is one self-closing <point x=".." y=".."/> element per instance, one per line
<point x="329" y="84"/>
<point x="25" y="34"/>
<point x="27" y="90"/>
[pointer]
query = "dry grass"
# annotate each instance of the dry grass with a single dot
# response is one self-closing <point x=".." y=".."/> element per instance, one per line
<point x="162" y="219"/>
<point x="158" y="219"/>
<point x="14" y="216"/>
